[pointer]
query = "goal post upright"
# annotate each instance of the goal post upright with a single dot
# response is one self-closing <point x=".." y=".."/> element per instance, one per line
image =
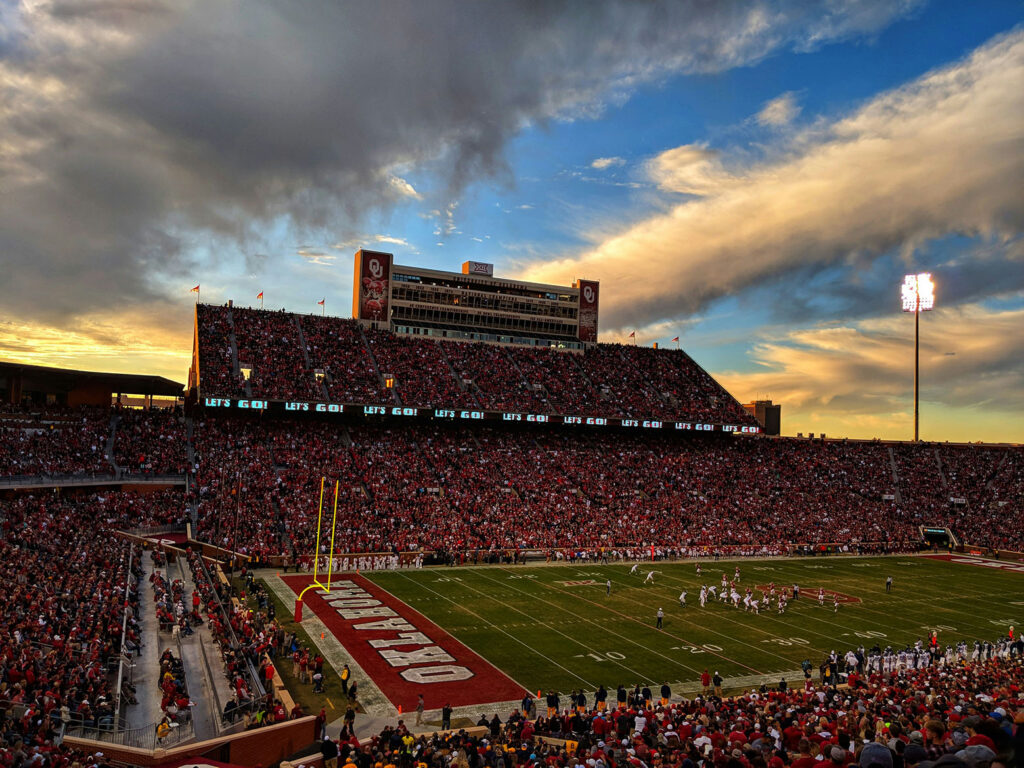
<point x="316" y="553"/>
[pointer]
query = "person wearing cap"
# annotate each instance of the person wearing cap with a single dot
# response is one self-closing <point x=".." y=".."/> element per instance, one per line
<point x="875" y="755"/>
<point x="914" y="754"/>
<point x="661" y="619"/>
<point x="977" y="755"/>
<point x="717" y="680"/>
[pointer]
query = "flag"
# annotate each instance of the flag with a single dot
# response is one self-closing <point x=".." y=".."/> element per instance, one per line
<point x="675" y="339"/>
<point x="259" y="295"/>
<point x="321" y="302"/>
<point x="632" y="335"/>
<point x="195" y="290"/>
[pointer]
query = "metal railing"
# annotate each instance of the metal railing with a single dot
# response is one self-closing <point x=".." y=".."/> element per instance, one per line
<point x="143" y="737"/>
<point x="255" y="684"/>
<point x="124" y="633"/>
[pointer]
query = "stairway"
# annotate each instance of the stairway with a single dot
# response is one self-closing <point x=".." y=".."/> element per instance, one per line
<point x="376" y="368"/>
<point x="208" y="688"/>
<point x="234" y="354"/>
<point x="115" y="418"/>
<point x="320" y="385"/>
<point x="895" y="475"/>
<point x="193" y="506"/>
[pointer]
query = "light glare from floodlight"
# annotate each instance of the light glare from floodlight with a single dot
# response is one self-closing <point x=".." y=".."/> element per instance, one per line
<point x="918" y="288"/>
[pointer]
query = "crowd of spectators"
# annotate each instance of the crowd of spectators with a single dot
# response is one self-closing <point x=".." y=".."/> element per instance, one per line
<point x="269" y="343"/>
<point x="494" y="376"/>
<point x="54" y="441"/>
<point x="236" y="487"/>
<point x="460" y="489"/>
<point x="217" y="375"/>
<point x="422" y="374"/>
<point x="967" y="716"/>
<point x="336" y="348"/>
<point x="231" y="630"/>
<point x="151" y="442"/>
<point x="609" y="380"/>
<point x="69" y="588"/>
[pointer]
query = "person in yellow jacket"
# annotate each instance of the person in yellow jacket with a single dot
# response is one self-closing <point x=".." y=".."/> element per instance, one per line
<point x="346" y="673"/>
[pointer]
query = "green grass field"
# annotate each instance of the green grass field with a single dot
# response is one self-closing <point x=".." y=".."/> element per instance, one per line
<point x="546" y="632"/>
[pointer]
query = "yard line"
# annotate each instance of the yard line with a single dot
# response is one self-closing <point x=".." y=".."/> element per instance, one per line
<point x="605" y="629"/>
<point x="534" y="621"/>
<point x="495" y="626"/>
<point x="767" y="614"/>
<point x="677" y="637"/>
<point x="939" y="594"/>
<point x="745" y="627"/>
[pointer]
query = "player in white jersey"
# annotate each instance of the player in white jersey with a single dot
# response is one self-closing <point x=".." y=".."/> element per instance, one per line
<point x="634" y="569"/>
<point x="650" y="577"/>
<point x="821" y="597"/>
<point x="682" y="599"/>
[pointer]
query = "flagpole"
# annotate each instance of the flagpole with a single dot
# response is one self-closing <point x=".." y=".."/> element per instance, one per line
<point x="261" y="300"/>
<point x="323" y="307"/>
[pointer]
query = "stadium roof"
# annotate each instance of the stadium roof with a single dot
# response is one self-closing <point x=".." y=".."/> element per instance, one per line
<point x="42" y="378"/>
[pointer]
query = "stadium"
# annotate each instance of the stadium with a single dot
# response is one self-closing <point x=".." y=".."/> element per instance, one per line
<point x="457" y="521"/>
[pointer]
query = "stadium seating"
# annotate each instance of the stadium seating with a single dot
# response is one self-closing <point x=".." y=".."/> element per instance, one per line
<point x="269" y="342"/>
<point x="54" y="441"/>
<point x="962" y="715"/>
<point x="608" y="380"/>
<point x="460" y="489"/>
<point x="151" y="442"/>
<point x="216" y="372"/>
<point x="47" y="621"/>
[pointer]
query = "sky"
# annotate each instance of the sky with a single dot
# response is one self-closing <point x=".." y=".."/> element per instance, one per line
<point x="753" y="177"/>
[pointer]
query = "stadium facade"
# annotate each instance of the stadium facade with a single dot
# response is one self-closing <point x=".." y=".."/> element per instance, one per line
<point x="472" y="304"/>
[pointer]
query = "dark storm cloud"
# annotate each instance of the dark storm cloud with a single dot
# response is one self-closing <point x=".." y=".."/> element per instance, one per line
<point x="133" y="131"/>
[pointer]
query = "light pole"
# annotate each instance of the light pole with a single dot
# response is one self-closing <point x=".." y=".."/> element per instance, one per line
<point x="918" y="294"/>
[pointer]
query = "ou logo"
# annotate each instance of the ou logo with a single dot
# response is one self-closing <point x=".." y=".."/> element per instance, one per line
<point x="376" y="268"/>
<point x="588" y="294"/>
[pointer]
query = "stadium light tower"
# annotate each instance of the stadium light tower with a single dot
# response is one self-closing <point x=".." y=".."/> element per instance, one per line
<point x="918" y="296"/>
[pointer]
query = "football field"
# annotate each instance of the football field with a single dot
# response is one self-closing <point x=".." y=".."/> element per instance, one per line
<point x="555" y="626"/>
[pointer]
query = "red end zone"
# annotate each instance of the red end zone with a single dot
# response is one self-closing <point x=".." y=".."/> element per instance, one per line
<point x="402" y="650"/>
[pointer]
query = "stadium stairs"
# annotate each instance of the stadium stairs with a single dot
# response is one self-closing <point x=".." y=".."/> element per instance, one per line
<point x="146" y="673"/>
<point x="208" y="691"/>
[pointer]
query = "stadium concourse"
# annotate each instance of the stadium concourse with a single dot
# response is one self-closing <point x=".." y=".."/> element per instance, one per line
<point x="438" y="491"/>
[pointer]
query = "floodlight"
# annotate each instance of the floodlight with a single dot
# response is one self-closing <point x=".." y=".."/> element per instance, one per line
<point x="918" y="292"/>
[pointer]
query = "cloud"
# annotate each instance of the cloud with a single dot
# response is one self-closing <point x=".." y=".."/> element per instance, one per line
<point x="138" y="137"/>
<point x="124" y="343"/>
<point x="940" y="156"/>
<point x="857" y="379"/>
<point x="391" y="240"/>
<point x="603" y="163"/>
<point x="691" y="169"/>
<point x="782" y="110"/>
<point x="404" y="188"/>
<point x="316" y="256"/>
